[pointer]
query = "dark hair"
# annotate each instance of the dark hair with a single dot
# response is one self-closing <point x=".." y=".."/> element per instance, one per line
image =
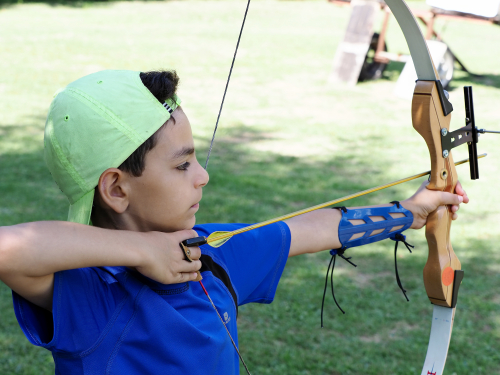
<point x="162" y="85"/>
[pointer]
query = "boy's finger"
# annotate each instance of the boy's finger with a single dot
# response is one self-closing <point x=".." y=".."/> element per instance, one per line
<point x="195" y="253"/>
<point x="460" y="191"/>
<point x="190" y="234"/>
<point x="187" y="276"/>
<point x="193" y="266"/>
<point x="186" y="234"/>
<point x="451" y="199"/>
<point x="192" y="276"/>
<point x="190" y="254"/>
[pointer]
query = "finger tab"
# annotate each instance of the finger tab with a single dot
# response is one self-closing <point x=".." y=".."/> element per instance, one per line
<point x="187" y="254"/>
<point x="186" y="251"/>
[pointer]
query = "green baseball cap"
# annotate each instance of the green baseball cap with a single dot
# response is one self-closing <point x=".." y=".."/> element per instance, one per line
<point x="96" y="123"/>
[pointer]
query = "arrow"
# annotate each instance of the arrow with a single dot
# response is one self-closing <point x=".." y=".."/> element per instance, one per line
<point x="217" y="239"/>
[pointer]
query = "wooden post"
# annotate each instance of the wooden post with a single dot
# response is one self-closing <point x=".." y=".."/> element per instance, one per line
<point x="351" y="52"/>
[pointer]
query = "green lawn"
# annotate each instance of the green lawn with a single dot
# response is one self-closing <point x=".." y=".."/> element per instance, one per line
<point x="287" y="139"/>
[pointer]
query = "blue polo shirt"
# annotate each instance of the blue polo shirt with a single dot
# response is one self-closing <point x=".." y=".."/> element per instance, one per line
<point x="111" y="320"/>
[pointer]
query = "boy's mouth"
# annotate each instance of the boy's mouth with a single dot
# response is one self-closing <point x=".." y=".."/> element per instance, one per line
<point x="197" y="205"/>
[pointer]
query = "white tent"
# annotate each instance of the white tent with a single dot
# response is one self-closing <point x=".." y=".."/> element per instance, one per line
<point x="481" y="8"/>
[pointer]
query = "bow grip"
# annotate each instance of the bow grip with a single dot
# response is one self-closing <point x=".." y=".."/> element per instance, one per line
<point x="428" y="120"/>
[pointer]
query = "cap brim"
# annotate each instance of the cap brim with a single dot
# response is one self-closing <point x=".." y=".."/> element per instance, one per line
<point x="79" y="212"/>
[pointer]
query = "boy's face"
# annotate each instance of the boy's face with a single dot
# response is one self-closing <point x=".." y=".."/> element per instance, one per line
<point x="166" y="196"/>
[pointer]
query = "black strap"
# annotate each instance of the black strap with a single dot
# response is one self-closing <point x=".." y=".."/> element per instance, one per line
<point x="340" y="253"/>
<point x="396" y="203"/>
<point x="342" y="208"/>
<point x="208" y="264"/>
<point x="398" y="237"/>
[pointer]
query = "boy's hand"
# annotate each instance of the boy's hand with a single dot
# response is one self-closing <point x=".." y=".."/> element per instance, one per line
<point x="30" y="253"/>
<point x="163" y="258"/>
<point x="425" y="201"/>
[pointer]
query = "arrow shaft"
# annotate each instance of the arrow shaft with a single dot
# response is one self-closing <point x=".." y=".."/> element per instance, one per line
<point x="326" y="204"/>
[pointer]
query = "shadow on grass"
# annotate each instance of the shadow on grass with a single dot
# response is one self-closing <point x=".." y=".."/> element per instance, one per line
<point x="248" y="186"/>
<point x="28" y="192"/>
<point x="488" y="80"/>
<point x="460" y="77"/>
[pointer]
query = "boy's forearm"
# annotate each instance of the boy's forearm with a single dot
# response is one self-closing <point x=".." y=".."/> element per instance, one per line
<point x="314" y="231"/>
<point x="42" y="248"/>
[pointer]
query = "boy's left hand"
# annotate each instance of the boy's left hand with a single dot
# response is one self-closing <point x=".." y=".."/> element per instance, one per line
<point x="425" y="201"/>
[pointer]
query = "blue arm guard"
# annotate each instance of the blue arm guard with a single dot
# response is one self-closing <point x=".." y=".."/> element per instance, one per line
<point x="347" y="230"/>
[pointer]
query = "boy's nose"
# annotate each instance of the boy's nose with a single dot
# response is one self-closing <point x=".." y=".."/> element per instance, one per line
<point x="203" y="177"/>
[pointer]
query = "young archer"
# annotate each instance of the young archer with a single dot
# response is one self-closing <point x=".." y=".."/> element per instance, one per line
<point x="109" y="291"/>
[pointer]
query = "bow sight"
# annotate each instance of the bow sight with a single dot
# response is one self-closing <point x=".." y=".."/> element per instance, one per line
<point x="469" y="134"/>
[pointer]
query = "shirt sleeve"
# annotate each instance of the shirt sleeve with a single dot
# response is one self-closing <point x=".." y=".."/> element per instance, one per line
<point x="253" y="260"/>
<point x="83" y="302"/>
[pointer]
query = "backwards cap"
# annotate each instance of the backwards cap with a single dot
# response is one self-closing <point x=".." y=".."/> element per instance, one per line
<point x="96" y="123"/>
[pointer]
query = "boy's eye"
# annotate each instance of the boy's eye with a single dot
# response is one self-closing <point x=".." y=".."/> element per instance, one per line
<point x="184" y="166"/>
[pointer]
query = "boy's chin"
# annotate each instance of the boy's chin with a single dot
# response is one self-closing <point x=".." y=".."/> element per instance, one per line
<point x="192" y="222"/>
<point x="188" y="224"/>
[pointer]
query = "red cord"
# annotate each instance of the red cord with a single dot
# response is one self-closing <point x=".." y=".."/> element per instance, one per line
<point x="203" y="288"/>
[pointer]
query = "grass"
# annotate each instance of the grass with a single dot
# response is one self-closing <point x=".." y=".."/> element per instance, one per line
<point x="287" y="139"/>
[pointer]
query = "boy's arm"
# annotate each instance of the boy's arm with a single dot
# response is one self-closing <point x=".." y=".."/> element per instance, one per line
<point x="31" y="253"/>
<point x="318" y="230"/>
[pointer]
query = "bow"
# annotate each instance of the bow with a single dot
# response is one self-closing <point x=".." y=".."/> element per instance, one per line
<point x="431" y="115"/>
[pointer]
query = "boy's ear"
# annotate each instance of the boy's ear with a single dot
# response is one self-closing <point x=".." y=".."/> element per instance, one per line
<point x="113" y="190"/>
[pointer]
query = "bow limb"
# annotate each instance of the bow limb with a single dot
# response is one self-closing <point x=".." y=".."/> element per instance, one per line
<point x="431" y="113"/>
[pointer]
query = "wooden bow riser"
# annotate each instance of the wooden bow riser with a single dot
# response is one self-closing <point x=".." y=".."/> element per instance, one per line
<point x="428" y="120"/>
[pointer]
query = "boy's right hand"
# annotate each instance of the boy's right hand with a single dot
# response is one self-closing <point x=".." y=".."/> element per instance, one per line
<point x="164" y="260"/>
<point x="31" y="253"/>
<point x="426" y="201"/>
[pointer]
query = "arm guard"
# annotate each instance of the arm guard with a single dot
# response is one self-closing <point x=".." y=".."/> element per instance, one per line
<point x="391" y="226"/>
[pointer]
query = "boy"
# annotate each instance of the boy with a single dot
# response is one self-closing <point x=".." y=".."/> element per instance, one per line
<point x="114" y="297"/>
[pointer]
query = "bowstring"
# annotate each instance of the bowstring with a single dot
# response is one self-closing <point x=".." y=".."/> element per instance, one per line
<point x="206" y="164"/>
<point x="227" y="84"/>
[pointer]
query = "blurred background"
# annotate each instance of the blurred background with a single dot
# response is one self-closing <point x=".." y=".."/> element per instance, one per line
<point x="292" y="134"/>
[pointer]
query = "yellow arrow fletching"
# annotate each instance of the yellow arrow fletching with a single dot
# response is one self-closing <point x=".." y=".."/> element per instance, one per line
<point x="218" y="242"/>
